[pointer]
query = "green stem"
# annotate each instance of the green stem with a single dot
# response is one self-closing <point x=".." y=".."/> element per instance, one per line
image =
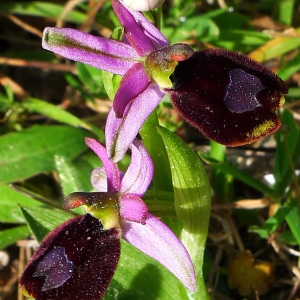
<point x="162" y="179"/>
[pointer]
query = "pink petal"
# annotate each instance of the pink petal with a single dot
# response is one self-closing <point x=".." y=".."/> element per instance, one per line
<point x="134" y="82"/>
<point x="105" y="54"/>
<point x="120" y="132"/>
<point x="157" y="38"/>
<point x="133" y="208"/>
<point x="159" y="242"/>
<point x="111" y="169"/>
<point x="139" y="174"/>
<point x="134" y="31"/>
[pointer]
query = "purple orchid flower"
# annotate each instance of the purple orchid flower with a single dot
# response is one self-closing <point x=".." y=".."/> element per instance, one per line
<point x="228" y="97"/>
<point x="138" y="227"/>
<point x="78" y="259"/>
<point x="138" y="94"/>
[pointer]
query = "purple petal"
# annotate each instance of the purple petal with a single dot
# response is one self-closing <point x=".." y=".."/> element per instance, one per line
<point x="141" y="34"/>
<point x="159" y="242"/>
<point x="120" y="132"/>
<point x="157" y="38"/>
<point x="139" y="174"/>
<point x="133" y="208"/>
<point x="111" y="169"/>
<point x="105" y="54"/>
<point x="134" y="82"/>
<point x="75" y="261"/>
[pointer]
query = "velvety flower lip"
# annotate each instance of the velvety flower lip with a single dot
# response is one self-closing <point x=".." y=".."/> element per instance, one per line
<point x="75" y="261"/>
<point x="228" y="97"/>
<point x="141" y="229"/>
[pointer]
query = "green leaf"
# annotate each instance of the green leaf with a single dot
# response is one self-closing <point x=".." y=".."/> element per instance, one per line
<point x="240" y="175"/>
<point x="156" y="148"/>
<point x="287" y="152"/>
<point x="293" y="220"/>
<point x="287" y="237"/>
<point x="42" y="9"/>
<point x="41" y="220"/>
<point x="141" y="277"/>
<point x="31" y="151"/>
<point x="204" y="28"/>
<point x="192" y="197"/>
<point x="111" y="84"/>
<point x="223" y="181"/>
<point x="91" y="78"/>
<point x="58" y="114"/>
<point x="273" y="222"/>
<point x="12" y="235"/>
<point x="111" y="81"/>
<point x="275" y="47"/>
<point x="285" y="11"/>
<point x="290" y="68"/>
<point x="6" y="99"/>
<point x="67" y="175"/>
<point x="69" y="178"/>
<point x="9" y="201"/>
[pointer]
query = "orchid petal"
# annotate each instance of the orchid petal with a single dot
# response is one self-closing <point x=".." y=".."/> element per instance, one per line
<point x="152" y="32"/>
<point x="159" y="242"/>
<point x="139" y="174"/>
<point x="120" y="132"/>
<point x="133" y="31"/>
<point x="133" y="208"/>
<point x="105" y="54"/>
<point x="134" y="82"/>
<point x="111" y="169"/>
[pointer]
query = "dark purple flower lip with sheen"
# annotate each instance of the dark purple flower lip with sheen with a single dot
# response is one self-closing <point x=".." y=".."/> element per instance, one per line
<point x="228" y="97"/>
<point x="75" y="261"/>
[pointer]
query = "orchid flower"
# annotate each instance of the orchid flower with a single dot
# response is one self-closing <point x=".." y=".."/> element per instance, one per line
<point x="138" y="227"/>
<point x="228" y="97"/>
<point x="79" y="257"/>
<point x="138" y="94"/>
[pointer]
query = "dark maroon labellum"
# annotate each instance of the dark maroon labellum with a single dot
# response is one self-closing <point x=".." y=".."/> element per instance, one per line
<point x="228" y="97"/>
<point x="75" y="261"/>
